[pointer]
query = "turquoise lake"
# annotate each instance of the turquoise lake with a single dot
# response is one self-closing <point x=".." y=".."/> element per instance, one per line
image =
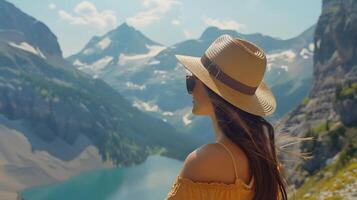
<point x="151" y="180"/>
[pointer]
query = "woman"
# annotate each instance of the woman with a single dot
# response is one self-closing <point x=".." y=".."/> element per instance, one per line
<point x="226" y="85"/>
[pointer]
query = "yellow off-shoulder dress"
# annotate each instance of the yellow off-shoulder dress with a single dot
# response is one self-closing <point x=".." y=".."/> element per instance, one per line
<point x="187" y="189"/>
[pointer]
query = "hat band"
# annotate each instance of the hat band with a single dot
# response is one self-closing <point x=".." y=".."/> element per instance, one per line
<point x="215" y="71"/>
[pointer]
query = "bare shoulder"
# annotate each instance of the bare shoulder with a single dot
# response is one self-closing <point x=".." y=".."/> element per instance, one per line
<point x="203" y="155"/>
<point x="205" y="164"/>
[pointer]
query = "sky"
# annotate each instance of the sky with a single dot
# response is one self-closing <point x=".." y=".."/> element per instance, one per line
<point x="168" y="22"/>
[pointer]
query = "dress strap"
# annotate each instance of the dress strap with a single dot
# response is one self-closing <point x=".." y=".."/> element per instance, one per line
<point x="233" y="160"/>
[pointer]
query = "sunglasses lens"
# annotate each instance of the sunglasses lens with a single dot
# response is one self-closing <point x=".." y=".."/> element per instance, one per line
<point x="190" y="83"/>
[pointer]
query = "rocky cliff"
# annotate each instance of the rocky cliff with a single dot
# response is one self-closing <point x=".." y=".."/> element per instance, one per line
<point x="329" y="113"/>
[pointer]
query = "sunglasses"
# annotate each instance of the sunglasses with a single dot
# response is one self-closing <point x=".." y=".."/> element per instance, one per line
<point x="190" y="83"/>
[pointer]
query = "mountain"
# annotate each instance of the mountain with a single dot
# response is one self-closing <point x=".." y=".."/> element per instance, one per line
<point x="329" y="113"/>
<point x="154" y="82"/>
<point x="27" y="33"/>
<point x="56" y="118"/>
<point x="118" y="47"/>
<point x="17" y="27"/>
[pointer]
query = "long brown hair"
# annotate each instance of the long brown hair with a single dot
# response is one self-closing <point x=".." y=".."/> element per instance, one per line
<point x="255" y="136"/>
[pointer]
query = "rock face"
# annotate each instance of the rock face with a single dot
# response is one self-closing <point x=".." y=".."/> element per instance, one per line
<point x="17" y="26"/>
<point x="333" y="97"/>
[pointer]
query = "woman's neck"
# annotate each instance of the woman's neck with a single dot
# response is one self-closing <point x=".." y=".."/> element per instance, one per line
<point x="219" y="135"/>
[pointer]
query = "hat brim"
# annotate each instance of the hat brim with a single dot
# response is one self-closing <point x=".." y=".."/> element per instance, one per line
<point x="262" y="103"/>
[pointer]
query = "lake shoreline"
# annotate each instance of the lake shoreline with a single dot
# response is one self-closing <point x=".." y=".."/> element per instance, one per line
<point x="150" y="180"/>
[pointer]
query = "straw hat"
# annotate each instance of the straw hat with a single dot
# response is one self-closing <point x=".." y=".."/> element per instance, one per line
<point x="234" y="69"/>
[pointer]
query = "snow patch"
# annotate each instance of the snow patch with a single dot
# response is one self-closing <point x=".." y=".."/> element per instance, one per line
<point x="318" y="44"/>
<point x="269" y="66"/>
<point x="167" y="113"/>
<point x="122" y="59"/>
<point x="96" y="66"/>
<point x="186" y="120"/>
<point x="78" y="63"/>
<point x="26" y="47"/>
<point x="134" y="86"/>
<point x="311" y="46"/>
<point x="102" y="63"/>
<point x="146" y="106"/>
<point x="153" y="51"/>
<point x="88" y="51"/>
<point x="151" y="107"/>
<point x="284" y="67"/>
<point x="154" y="62"/>
<point x="305" y="53"/>
<point x="161" y="72"/>
<point x="104" y="43"/>
<point x="288" y="55"/>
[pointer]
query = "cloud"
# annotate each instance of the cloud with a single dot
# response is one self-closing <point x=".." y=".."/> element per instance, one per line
<point x="52" y="6"/>
<point x="143" y="19"/>
<point x="224" y="24"/>
<point x="187" y="33"/>
<point x="176" y="22"/>
<point x="71" y="19"/>
<point x="85" y="13"/>
<point x="156" y="9"/>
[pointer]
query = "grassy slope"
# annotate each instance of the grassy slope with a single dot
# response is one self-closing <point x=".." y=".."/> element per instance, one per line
<point x="330" y="183"/>
<point x="338" y="179"/>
